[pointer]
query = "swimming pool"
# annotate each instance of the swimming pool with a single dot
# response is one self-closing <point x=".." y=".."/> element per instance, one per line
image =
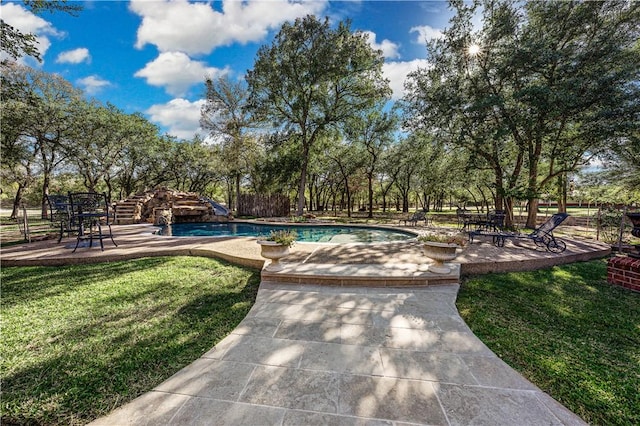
<point x="306" y="233"/>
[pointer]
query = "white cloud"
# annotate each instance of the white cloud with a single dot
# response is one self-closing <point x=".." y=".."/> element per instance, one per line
<point x="177" y="72"/>
<point x="397" y="73"/>
<point x="389" y="48"/>
<point x="92" y="84"/>
<point x="28" y="23"/>
<point x="196" y="28"/>
<point x="180" y="116"/>
<point x="426" y="33"/>
<point x="74" y="56"/>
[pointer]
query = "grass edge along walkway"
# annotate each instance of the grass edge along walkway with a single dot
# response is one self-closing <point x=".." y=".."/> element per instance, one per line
<point x="79" y="341"/>
<point x="566" y="330"/>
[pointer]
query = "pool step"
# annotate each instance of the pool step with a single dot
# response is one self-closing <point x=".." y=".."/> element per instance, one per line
<point x="370" y="275"/>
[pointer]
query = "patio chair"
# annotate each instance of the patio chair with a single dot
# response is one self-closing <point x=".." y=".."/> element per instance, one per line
<point x="542" y="236"/>
<point x="60" y="213"/>
<point x="467" y="220"/>
<point x="461" y="215"/>
<point x="415" y="218"/>
<point x="90" y="213"/>
<point x="494" y="221"/>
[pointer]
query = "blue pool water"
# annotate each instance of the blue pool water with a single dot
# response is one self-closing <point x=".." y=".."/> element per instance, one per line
<point x="306" y="233"/>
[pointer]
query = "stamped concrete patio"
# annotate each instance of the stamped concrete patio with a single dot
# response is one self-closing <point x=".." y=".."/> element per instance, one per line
<point x="376" y="344"/>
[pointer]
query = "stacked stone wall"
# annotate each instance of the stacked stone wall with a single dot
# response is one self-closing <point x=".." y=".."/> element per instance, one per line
<point x="163" y="206"/>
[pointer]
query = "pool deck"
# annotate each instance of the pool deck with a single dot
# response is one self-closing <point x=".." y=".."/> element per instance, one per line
<point x="309" y="260"/>
<point x="350" y="334"/>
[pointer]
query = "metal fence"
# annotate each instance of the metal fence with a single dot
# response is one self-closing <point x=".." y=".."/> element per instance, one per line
<point x="32" y="226"/>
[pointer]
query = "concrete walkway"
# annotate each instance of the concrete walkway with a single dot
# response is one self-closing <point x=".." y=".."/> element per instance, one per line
<point x="317" y="355"/>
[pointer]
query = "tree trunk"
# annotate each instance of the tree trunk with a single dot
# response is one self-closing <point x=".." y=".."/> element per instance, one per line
<point x="348" y="192"/>
<point x="532" y="184"/>
<point x="46" y="182"/>
<point x="237" y="192"/>
<point x="405" y="202"/>
<point x="311" y="193"/>
<point x="303" y="180"/>
<point x="562" y="191"/>
<point x="473" y="197"/>
<point x="370" y="215"/>
<point x="107" y="181"/>
<point x="532" y="214"/>
<point x="485" y="201"/>
<point x="508" y="212"/>
<point x="17" y="200"/>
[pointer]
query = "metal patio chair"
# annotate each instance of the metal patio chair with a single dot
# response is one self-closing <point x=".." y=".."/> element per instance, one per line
<point x="60" y="213"/>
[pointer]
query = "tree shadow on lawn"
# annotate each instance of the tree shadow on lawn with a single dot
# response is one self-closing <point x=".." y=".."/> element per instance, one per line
<point x="566" y="330"/>
<point x="25" y="284"/>
<point x="94" y="366"/>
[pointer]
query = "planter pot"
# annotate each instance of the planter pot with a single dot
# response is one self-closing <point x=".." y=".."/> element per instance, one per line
<point x="274" y="252"/>
<point x="439" y="253"/>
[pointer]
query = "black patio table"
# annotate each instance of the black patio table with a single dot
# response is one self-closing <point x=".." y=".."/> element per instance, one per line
<point x="492" y="221"/>
<point x="90" y="214"/>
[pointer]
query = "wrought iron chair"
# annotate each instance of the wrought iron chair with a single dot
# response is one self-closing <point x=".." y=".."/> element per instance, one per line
<point x="60" y="213"/>
<point x="90" y="213"/>
<point x="495" y="221"/>
<point x="418" y="216"/>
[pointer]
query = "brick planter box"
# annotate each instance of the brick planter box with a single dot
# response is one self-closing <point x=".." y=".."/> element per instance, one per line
<point x="624" y="272"/>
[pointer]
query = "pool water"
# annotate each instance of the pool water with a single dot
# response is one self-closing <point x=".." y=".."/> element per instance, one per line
<point x="306" y="233"/>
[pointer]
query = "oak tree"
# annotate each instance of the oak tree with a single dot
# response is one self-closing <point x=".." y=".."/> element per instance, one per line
<point x="311" y="78"/>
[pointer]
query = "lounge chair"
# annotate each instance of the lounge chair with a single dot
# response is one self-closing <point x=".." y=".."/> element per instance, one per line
<point x="542" y="236"/>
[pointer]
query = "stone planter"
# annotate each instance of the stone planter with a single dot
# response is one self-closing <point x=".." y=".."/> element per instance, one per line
<point x="274" y="252"/>
<point x="439" y="253"/>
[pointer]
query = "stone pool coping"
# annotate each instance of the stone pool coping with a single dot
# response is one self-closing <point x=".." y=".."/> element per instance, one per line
<point x="136" y="241"/>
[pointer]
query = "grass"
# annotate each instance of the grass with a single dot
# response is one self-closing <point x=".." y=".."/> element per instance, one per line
<point x="78" y="341"/>
<point x="566" y="330"/>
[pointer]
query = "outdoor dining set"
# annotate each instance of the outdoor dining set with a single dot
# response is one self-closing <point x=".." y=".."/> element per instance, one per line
<point x="84" y="214"/>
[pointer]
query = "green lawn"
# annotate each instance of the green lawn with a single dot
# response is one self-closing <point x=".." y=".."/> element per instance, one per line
<point x="566" y="330"/>
<point x="78" y="341"/>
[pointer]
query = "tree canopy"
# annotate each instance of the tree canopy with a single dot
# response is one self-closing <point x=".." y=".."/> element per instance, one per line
<point x="16" y="44"/>
<point x="535" y="92"/>
<point x="314" y="77"/>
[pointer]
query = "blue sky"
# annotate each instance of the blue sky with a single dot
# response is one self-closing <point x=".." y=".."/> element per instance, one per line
<point x="151" y="56"/>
